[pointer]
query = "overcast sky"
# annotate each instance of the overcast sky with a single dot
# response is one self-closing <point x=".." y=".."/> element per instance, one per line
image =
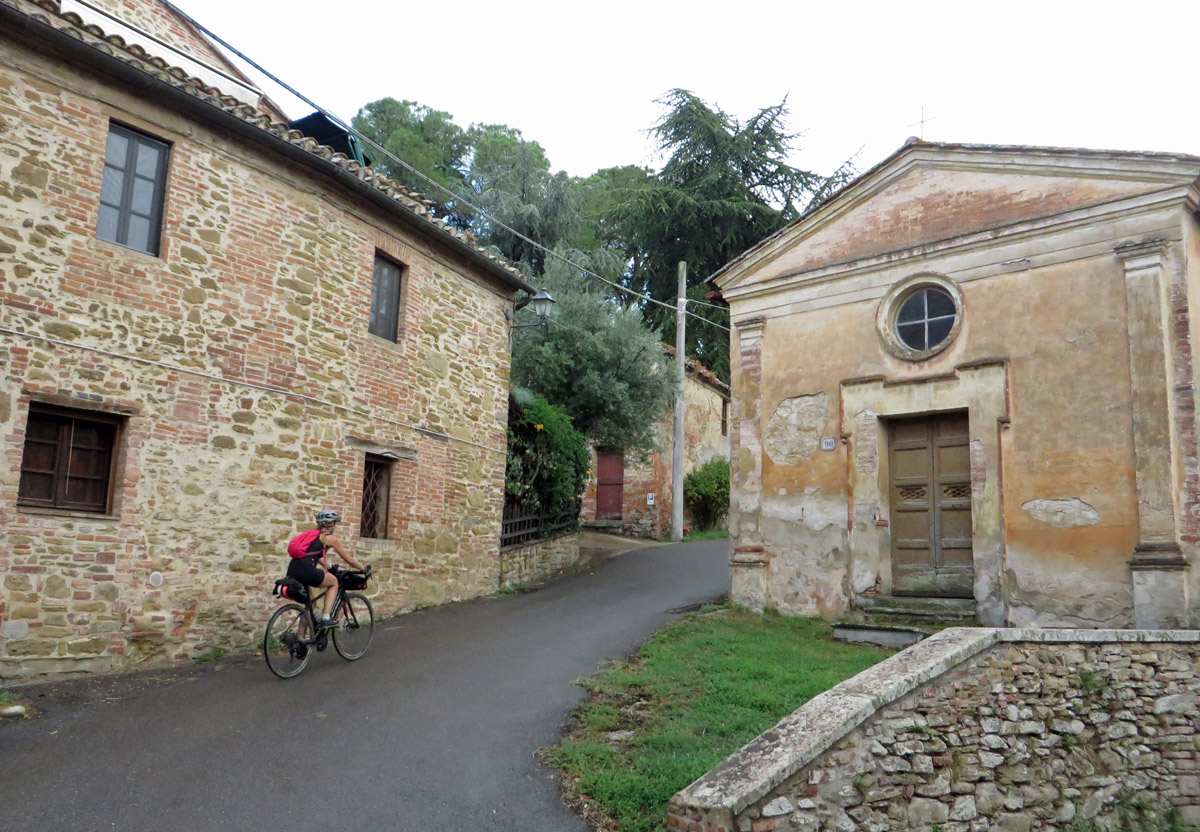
<point x="581" y="77"/>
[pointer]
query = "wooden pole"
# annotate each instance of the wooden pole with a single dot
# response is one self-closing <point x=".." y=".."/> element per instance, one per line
<point x="680" y="407"/>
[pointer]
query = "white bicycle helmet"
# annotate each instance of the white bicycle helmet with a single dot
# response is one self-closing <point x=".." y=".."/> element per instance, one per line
<point x="325" y="516"/>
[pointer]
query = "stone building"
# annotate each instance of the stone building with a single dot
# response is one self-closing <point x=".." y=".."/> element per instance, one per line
<point x="633" y="496"/>
<point x="965" y="384"/>
<point x="210" y="327"/>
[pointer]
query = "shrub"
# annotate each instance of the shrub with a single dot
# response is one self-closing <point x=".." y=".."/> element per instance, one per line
<point x="706" y="491"/>
<point x="547" y="457"/>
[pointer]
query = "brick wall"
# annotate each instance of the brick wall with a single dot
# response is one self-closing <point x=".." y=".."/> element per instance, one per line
<point x="264" y="281"/>
<point x="978" y="730"/>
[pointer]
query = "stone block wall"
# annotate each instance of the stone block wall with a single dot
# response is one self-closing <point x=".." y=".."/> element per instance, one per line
<point x="538" y="561"/>
<point x="248" y="387"/>
<point x="978" y="731"/>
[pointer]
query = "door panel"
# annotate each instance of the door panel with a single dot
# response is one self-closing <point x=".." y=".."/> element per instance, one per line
<point x="610" y="486"/>
<point x="931" y="507"/>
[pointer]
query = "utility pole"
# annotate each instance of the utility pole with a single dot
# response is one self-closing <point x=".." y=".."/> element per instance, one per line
<point x="680" y="376"/>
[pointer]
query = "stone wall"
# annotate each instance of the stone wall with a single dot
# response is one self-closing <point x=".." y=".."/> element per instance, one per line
<point x="248" y="387"/>
<point x="973" y="730"/>
<point x="535" y="562"/>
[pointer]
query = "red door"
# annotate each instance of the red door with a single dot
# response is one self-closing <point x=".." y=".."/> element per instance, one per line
<point x="610" y="486"/>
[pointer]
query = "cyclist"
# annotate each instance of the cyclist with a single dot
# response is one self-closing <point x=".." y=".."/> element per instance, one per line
<point x="305" y="569"/>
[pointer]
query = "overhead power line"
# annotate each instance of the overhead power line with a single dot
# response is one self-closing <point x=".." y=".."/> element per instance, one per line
<point x="455" y="196"/>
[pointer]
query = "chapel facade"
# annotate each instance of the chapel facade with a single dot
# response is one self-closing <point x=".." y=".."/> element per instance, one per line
<point x="966" y="382"/>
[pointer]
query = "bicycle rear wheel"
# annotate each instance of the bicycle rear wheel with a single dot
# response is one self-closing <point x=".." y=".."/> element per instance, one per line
<point x="355" y="627"/>
<point x="283" y="643"/>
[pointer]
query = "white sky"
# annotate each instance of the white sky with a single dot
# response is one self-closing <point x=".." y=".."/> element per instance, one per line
<point x="581" y="77"/>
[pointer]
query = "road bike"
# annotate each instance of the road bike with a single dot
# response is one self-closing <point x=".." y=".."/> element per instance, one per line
<point x="294" y="632"/>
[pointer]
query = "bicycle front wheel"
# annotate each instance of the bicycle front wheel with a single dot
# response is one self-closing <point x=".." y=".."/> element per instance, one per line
<point x="355" y="627"/>
<point x="284" y="645"/>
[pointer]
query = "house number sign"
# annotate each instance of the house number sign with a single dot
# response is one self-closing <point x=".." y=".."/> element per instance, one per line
<point x="828" y="443"/>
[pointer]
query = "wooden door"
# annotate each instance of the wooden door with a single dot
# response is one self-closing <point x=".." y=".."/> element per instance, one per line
<point x="931" y="507"/>
<point x="610" y="486"/>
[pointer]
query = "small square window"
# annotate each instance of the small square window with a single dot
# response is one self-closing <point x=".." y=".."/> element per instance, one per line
<point x="385" y="299"/>
<point x="377" y="481"/>
<point x="68" y="459"/>
<point x="133" y="189"/>
<point x="724" y="417"/>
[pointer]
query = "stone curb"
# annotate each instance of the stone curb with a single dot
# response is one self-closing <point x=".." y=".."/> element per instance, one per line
<point x="777" y="754"/>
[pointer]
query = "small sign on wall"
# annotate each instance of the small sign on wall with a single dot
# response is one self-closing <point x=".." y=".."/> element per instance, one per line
<point x="828" y="443"/>
<point x="650" y="499"/>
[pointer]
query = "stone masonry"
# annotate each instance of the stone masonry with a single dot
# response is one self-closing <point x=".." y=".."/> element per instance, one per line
<point x="239" y="364"/>
<point x="978" y="731"/>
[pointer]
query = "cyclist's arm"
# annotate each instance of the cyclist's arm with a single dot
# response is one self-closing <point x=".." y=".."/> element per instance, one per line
<point x="346" y="556"/>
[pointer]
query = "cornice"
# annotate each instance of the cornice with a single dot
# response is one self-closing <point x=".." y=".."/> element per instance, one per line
<point x="1182" y="195"/>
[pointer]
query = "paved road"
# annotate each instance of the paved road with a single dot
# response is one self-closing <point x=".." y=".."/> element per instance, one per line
<point x="433" y="730"/>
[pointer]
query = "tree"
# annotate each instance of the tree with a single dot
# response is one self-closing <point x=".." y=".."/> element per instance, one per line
<point x="597" y="359"/>
<point x="512" y="183"/>
<point x="725" y="186"/>
<point x="427" y="139"/>
<point x="548" y="458"/>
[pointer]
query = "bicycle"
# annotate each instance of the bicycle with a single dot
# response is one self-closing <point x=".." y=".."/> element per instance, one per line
<point x="293" y="631"/>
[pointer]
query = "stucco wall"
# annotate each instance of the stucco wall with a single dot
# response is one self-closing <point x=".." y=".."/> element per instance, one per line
<point x="1082" y="427"/>
<point x="977" y="730"/>
<point x="264" y="279"/>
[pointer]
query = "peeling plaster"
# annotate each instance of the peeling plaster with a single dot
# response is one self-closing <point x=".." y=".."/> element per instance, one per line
<point x="794" y="431"/>
<point x="1062" y="514"/>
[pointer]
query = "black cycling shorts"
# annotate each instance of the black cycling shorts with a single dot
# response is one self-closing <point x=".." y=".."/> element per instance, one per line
<point x="306" y="571"/>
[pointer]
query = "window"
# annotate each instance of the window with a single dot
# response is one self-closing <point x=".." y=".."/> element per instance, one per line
<point x="920" y="317"/>
<point x="724" y="417"/>
<point x="925" y="319"/>
<point x="68" y="459"/>
<point x="377" y="480"/>
<point x="131" y="195"/>
<point x="385" y="299"/>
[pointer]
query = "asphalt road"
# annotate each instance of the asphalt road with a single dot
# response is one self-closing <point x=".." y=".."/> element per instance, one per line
<point x="434" y="729"/>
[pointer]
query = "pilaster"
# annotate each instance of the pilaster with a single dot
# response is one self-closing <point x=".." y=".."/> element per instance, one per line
<point x="1159" y="570"/>
<point x="748" y="557"/>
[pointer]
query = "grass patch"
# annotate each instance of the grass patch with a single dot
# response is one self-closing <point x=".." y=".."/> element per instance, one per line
<point x="212" y="655"/>
<point x="703" y="534"/>
<point x="696" y="691"/>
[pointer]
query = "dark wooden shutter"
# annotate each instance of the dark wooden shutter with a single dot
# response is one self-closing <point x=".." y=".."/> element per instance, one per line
<point x="68" y="459"/>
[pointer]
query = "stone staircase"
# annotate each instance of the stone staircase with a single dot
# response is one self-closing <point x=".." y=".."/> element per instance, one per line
<point x="898" y="621"/>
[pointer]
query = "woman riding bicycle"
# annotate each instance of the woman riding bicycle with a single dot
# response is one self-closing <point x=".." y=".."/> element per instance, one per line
<point x="305" y="569"/>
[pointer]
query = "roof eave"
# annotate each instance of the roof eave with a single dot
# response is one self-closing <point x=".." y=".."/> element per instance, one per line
<point x="199" y="108"/>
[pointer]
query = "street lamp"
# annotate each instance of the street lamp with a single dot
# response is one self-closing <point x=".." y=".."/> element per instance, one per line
<point x="542" y="305"/>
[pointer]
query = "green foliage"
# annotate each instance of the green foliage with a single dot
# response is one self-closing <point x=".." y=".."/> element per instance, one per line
<point x="706" y="491"/>
<point x="1092" y="681"/>
<point x="597" y="360"/>
<point x="548" y="458"/>
<point x="726" y="185"/>
<point x="696" y="692"/>
<point x="211" y="655"/>
<point x="427" y="139"/>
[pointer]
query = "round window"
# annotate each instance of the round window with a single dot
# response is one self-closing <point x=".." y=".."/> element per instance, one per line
<point x="926" y="318"/>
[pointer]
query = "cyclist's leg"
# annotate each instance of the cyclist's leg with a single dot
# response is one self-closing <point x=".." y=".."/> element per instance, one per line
<point x="329" y="584"/>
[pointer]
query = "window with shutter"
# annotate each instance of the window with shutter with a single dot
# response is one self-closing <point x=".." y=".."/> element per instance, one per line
<point x="133" y="189"/>
<point x="68" y="459"/>
<point x="385" y="299"/>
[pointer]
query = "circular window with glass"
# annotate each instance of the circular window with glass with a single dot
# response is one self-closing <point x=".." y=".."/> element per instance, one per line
<point x="925" y="319"/>
<point x="920" y="317"/>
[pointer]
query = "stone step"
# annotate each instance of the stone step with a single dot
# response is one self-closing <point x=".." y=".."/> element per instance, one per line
<point x="946" y="609"/>
<point x="881" y="634"/>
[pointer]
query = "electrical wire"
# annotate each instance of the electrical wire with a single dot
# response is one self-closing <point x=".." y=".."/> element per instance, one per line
<point x="461" y="200"/>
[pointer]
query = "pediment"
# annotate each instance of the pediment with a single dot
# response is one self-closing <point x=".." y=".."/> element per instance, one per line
<point x="930" y="194"/>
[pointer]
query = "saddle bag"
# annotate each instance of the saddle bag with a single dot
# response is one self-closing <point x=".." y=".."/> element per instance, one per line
<point x="292" y="590"/>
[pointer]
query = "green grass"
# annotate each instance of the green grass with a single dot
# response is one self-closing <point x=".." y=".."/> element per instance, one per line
<point x="8" y="698"/>
<point x="703" y="534"/>
<point x="696" y="691"/>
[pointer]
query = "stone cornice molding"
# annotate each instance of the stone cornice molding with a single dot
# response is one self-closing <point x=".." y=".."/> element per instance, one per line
<point x="750" y="329"/>
<point x="1045" y="162"/>
<point x="1141" y="256"/>
<point x="974" y="242"/>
